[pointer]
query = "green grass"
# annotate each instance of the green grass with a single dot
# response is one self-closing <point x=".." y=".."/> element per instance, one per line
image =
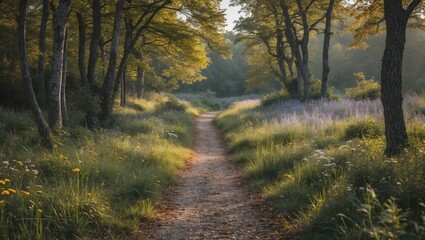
<point x="318" y="161"/>
<point x="94" y="183"/>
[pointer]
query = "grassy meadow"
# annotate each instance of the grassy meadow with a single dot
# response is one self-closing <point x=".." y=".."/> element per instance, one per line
<point x="322" y="164"/>
<point x="94" y="183"/>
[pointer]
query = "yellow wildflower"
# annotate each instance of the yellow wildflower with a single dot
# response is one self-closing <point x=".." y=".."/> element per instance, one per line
<point x="2" y="202"/>
<point x="39" y="191"/>
<point x="25" y="193"/>
<point x="7" y="180"/>
<point x="76" y="170"/>
<point x="5" y="192"/>
<point x="39" y="210"/>
<point x="2" y="182"/>
<point x="19" y="163"/>
<point x="11" y="190"/>
<point x="157" y="182"/>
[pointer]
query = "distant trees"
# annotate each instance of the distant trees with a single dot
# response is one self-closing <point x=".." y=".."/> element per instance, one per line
<point x="288" y="25"/>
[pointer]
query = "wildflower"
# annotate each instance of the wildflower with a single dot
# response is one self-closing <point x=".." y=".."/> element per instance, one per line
<point x="35" y="172"/>
<point x="25" y="193"/>
<point x="2" y="182"/>
<point x="361" y="188"/>
<point x="6" y="163"/>
<point x="5" y="192"/>
<point x="7" y="180"/>
<point x="11" y="190"/>
<point x="39" y="210"/>
<point x="2" y="202"/>
<point x="39" y="191"/>
<point x="157" y="182"/>
<point x="19" y="163"/>
<point x="76" y="170"/>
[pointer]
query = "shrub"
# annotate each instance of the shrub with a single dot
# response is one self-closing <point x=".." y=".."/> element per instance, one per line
<point x="363" y="128"/>
<point x="365" y="89"/>
<point x="275" y="97"/>
<point x="172" y="104"/>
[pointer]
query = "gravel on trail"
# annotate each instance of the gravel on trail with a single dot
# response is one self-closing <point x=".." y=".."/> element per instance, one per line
<point x="210" y="200"/>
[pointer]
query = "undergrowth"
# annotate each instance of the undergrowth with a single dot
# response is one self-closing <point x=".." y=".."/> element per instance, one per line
<point x="322" y="164"/>
<point x="94" y="183"/>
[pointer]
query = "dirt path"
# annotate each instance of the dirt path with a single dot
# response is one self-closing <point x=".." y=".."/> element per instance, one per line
<point x="210" y="201"/>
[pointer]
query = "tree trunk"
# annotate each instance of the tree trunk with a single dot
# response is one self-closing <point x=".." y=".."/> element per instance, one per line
<point x="42" y="53"/>
<point x="294" y="45"/>
<point x="123" y="89"/>
<point x="290" y="62"/>
<point x="59" y="21"/>
<point x="304" y="49"/>
<point x="82" y="50"/>
<point x="64" y="109"/>
<point x="325" y="56"/>
<point x="305" y="69"/>
<point x="94" y="43"/>
<point x="108" y="83"/>
<point x="281" y="55"/>
<point x="299" y="80"/>
<point x="42" y="126"/>
<point x="391" y="77"/>
<point x="140" y="83"/>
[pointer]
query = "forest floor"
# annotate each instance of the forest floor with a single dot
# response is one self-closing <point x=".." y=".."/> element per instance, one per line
<point x="211" y="200"/>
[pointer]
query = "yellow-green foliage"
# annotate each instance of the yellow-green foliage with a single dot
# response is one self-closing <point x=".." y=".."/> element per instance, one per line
<point x="365" y="89"/>
<point x="93" y="182"/>
<point x="317" y="166"/>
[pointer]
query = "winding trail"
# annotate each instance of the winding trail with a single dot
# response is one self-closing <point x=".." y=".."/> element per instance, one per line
<point x="210" y="201"/>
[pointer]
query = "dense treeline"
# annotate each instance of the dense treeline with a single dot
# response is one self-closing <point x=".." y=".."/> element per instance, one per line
<point x="89" y="50"/>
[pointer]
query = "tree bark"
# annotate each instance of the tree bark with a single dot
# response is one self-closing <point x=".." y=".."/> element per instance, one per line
<point x="59" y="21"/>
<point x="140" y="83"/>
<point x="391" y="77"/>
<point x="325" y="55"/>
<point x="304" y="49"/>
<point x="64" y="108"/>
<point x="42" y="126"/>
<point x="94" y="42"/>
<point x="42" y="53"/>
<point x="82" y="50"/>
<point x="294" y="45"/>
<point x="108" y="83"/>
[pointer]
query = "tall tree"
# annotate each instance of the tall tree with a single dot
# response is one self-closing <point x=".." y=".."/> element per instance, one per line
<point x="42" y="53"/>
<point x="59" y="21"/>
<point x="82" y="48"/>
<point x="325" y="55"/>
<point x="64" y="108"/>
<point x="396" y="19"/>
<point x="42" y="126"/>
<point x="94" y="42"/>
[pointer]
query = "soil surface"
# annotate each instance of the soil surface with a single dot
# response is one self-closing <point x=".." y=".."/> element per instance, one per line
<point x="211" y="201"/>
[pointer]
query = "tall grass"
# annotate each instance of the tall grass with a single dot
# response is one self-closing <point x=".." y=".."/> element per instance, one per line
<point x="94" y="183"/>
<point x="318" y="161"/>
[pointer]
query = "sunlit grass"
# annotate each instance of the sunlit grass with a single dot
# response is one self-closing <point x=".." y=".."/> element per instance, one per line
<point x="94" y="183"/>
<point x="315" y="161"/>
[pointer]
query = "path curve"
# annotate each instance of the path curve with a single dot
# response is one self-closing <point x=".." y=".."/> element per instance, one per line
<point x="210" y="201"/>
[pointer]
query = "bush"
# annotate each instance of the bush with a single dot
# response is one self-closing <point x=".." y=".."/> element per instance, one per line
<point x="275" y="97"/>
<point x="365" y="89"/>
<point x="363" y="128"/>
<point x="172" y="104"/>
